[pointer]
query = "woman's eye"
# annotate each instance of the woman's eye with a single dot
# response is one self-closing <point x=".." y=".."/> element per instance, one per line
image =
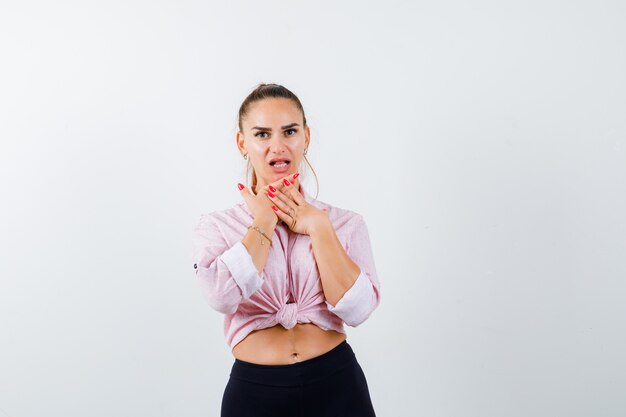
<point x="288" y="130"/>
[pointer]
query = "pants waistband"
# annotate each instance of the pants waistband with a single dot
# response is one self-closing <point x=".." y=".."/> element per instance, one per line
<point x="295" y="374"/>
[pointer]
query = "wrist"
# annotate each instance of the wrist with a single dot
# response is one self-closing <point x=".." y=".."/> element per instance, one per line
<point x="321" y="227"/>
<point x="266" y="221"/>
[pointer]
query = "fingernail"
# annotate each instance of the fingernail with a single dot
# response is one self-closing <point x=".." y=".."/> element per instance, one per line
<point x="271" y="195"/>
<point x="286" y="181"/>
<point x="273" y="189"/>
<point x="240" y="186"/>
<point x="275" y="208"/>
<point x="296" y="175"/>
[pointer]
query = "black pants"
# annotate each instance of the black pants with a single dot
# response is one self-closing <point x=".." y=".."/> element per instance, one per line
<point x="332" y="384"/>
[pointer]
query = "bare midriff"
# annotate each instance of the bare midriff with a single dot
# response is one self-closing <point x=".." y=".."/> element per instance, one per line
<point x="279" y="346"/>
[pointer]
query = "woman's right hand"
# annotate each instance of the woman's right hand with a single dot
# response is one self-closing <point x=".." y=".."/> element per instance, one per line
<point x="259" y="204"/>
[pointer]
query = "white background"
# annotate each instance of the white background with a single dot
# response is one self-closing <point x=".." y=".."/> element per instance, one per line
<point x="484" y="143"/>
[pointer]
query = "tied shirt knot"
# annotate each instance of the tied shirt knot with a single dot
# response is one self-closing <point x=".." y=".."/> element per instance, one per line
<point x="287" y="315"/>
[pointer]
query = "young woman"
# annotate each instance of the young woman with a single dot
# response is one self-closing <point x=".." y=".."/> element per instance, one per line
<point x="288" y="271"/>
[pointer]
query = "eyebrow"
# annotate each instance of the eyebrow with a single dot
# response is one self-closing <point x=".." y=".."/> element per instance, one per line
<point x="282" y="127"/>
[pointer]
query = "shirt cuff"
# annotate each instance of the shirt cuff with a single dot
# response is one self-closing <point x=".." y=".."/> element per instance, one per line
<point x="241" y="267"/>
<point x="353" y="307"/>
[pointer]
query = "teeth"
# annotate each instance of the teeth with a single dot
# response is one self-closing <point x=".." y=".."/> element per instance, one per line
<point x="280" y="165"/>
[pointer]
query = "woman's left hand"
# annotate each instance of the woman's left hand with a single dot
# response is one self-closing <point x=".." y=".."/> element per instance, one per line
<point x="300" y="216"/>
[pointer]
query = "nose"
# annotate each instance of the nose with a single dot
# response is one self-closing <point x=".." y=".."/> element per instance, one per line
<point x="277" y="145"/>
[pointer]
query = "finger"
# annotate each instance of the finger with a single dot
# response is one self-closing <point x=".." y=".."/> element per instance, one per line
<point x="273" y="186"/>
<point x="280" y="196"/>
<point x="282" y="215"/>
<point x="278" y="183"/>
<point x="284" y="206"/>
<point x="278" y="190"/>
<point x="275" y="189"/>
<point x="293" y="193"/>
<point x="243" y="190"/>
<point x="289" y="189"/>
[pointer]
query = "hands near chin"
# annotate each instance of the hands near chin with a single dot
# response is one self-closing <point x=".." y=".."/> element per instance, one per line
<point x="291" y="207"/>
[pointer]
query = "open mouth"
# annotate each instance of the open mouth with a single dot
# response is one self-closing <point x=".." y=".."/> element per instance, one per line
<point x="280" y="164"/>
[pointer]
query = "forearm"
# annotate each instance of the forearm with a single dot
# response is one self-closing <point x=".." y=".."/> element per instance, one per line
<point x="256" y="244"/>
<point x="338" y="272"/>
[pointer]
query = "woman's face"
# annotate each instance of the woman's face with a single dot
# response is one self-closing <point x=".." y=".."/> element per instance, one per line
<point x="272" y="131"/>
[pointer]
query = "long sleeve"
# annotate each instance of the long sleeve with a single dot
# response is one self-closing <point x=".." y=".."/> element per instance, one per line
<point x="227" y="275"/>
<point x="358" y="303"/>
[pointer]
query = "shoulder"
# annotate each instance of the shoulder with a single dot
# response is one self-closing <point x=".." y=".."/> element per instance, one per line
<point x="341" y="217"/>
<point x="235" y="214"/>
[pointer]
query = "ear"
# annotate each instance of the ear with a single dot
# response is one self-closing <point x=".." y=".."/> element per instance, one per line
<point x="240" y="143"/>
<point x="307" y="134"/>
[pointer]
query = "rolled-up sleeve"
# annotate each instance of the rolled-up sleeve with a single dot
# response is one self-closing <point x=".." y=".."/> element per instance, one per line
<point x="358" y="303"/>
<point x="226" y="273"/>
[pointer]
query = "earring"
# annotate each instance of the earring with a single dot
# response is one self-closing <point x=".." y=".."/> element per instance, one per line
<point x="305" y="149"/>
<point x="245" y="157"/>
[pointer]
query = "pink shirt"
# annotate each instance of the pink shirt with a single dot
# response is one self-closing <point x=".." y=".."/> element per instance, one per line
<point x="288" y="290"/>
